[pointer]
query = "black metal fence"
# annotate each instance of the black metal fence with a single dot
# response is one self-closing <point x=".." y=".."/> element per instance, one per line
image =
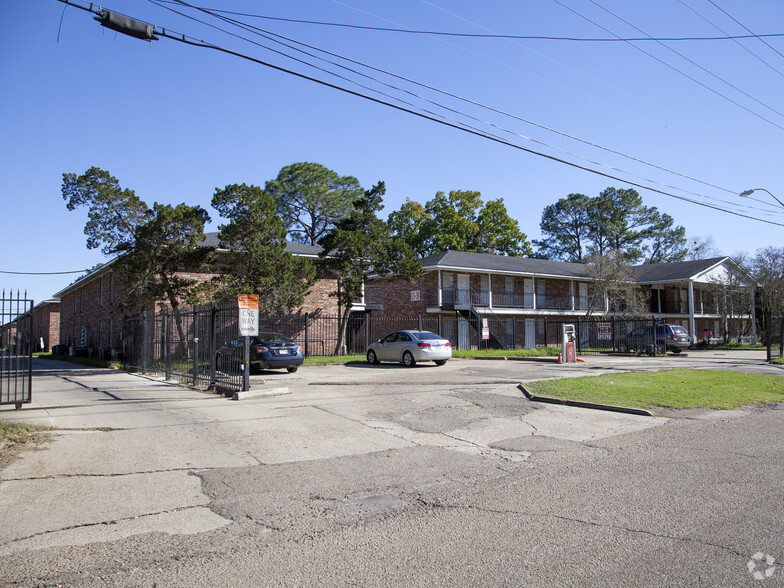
<point x="16" y="349"/>
<point x="183" y="345"/>
<point x="774" y="335"/>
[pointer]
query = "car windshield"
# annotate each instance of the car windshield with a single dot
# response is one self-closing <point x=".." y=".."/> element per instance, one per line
<point x="679" y="330"/>
<point x="273" y="339"/>
<point x="425" y="335"/>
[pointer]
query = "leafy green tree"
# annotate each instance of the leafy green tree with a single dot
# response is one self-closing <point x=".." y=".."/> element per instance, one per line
<point x="259" y="263"/>
<point x="666" y="242"/>
<point x="459" y="221"/>
<point x="311" y="198"/>
<point x="565" y="226"/>
<point x="409" y="223"/>
<point x="154" y="244"/>
<point x="360" y="245"/>
<point x="615" y="221"/>
<point x="499" y="233"/>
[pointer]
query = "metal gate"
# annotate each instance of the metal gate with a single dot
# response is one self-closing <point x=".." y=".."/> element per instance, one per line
<point x="16" y="349"/>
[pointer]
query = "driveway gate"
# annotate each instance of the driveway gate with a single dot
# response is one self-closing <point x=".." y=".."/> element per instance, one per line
<point x="16" y="350"/>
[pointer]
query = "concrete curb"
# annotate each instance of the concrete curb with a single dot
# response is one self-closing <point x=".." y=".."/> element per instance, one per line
<point x="543" y="358"/>
<point x="260" y="393"/>
<point x="580" y="404"/>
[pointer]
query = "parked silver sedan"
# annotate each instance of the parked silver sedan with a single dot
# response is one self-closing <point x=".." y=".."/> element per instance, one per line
<point x="409" y="347"/>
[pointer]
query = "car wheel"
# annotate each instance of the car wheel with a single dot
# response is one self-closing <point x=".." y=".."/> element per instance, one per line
<point x="661" y="349"/>
<point x="440" y="361"/>
<point x="292" y="369"/>
<point x="676" y="350"/>
<point x="371" y="357"/>
<point x="408" y="359"/>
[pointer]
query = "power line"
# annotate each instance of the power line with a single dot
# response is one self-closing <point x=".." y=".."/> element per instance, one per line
<point x="747" y="29"/>
<point x="476" y="35"/>
<point x="670" y="66"/>
<point x="741" y="45"/>
<point x="694" y="63"/>
<point x="181" y="38"/>
<point x="258" y="31"/>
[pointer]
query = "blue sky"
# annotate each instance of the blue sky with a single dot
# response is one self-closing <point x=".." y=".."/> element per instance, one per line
<point x="173" y="121"/>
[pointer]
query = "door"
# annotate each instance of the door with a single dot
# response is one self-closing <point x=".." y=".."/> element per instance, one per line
<point x="509" y="292"/>
<point x="530" y="333"/>
<point x="463" y="290"/>
<point x="463" y="334"/>
<point x="528" y="293"/>
<point x="583" y="290"/>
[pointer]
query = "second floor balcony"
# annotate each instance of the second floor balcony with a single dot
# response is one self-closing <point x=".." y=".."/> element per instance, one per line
<point x="456" y="298"/>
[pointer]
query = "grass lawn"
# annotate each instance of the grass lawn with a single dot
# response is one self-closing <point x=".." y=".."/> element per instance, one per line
<point x="678" y="388"/>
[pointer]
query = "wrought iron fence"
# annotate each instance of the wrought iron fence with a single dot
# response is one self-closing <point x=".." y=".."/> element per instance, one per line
<point x="16" y="349"/>
<point x="184" y="344"/>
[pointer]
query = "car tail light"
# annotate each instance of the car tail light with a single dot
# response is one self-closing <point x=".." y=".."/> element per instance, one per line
<point x="260" y="349"/>
<point x="447" y="344"/>
<point x="299" y="349"/>
<point x="423" y="345"/>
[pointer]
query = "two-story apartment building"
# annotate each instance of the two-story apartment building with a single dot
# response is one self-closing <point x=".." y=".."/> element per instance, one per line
<point x="523" y="294"/>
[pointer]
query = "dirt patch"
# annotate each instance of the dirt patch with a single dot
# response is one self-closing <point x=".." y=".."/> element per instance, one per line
<point x="15" y="439"/>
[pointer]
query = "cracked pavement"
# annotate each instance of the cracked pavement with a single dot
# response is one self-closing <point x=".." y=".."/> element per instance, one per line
<point x="437" y="476"/>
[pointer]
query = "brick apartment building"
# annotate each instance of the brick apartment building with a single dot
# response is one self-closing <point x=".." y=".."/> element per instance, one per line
<point x="93" y="309"/>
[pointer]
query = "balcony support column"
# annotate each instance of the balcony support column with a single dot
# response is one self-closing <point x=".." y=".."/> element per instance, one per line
<point x="692" y="325"/>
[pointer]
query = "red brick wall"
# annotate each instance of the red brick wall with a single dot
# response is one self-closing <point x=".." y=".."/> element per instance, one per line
<point x="46" y="325"/>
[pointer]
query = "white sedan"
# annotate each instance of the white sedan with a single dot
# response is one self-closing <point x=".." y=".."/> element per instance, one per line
<point x="409" y="347"/>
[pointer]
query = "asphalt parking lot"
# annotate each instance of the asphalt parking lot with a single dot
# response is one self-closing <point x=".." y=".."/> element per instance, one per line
<point x="385" y="475"/>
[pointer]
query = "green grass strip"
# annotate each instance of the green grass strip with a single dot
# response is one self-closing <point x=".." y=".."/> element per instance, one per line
<point x="678" y="388"/>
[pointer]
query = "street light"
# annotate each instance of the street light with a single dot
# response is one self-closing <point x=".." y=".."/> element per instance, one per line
<point x="747" y="193"/>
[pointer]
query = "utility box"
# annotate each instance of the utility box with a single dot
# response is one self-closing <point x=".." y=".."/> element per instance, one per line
<point x="568" y="344"/>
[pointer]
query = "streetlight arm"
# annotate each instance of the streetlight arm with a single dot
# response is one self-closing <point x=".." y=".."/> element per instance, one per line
<point x="747" y="193"/>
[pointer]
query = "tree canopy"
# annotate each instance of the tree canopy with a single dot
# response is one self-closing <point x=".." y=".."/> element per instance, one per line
<point x="153" y="244"/>
<point x="360" y="245"/>
<point x="311" y="198"/>
<point x="614" y="221"/>
<point x="459" y="221"/>
<point x="259" y="263"/>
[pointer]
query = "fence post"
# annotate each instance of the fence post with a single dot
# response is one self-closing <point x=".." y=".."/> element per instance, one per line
<point x="612" y="331"/>
<point x="195" y="343"/>
<point x="307" y="329"/>
<point x="166" y="342"/>
<point x="213" y="343"/>
<point x="781" y="336"/>
<point x="368" y="318"/>
<point x="419" y="322"/>
<point x="144" y="341"/>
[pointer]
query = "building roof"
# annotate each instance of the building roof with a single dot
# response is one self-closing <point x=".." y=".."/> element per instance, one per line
<point x="646" y="273"/>
<point x="461" y="260"/>
<point x="296" y="249"/>
<point x="675" y="270"/>
<point x="210" y="240"/>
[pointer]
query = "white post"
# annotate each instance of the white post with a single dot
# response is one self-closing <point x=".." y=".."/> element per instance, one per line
<point x="692" y="326"/>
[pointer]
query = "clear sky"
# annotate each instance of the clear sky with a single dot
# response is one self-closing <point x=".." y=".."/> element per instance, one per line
<point x="174" y="121"/>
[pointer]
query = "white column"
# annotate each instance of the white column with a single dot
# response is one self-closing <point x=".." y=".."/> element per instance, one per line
<point x="692" y="326"/>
